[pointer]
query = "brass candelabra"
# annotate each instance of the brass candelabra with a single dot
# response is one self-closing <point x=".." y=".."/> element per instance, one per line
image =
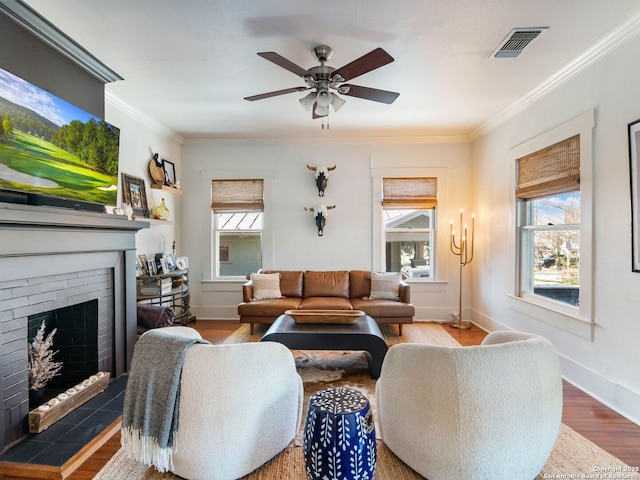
<point x="464" y="250"/>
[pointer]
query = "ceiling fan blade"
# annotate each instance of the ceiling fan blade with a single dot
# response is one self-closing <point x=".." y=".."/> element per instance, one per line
<point x="276" y="93"/>
<point x="283" y="62"/>
<point x="383" y="96"/>
<point x="372" y="60"/>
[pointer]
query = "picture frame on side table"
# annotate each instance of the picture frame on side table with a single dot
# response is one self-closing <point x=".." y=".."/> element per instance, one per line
<point x="169" y="173"/>
<point x="135" y="194"/>
<point x="153" y="267"/>
<point x="164" y="266"/>
<point x="634" y="173"/>
<point x="182" y="263"/>
<point x="144" y="264"/>
<point x="171" y="261"/>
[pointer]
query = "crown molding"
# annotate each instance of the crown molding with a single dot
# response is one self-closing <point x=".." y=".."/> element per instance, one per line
<point x="144" y="119"/>
<point x="356" y="141"/>
<point x="608" y="43"/>
<point x="41" y="28"/>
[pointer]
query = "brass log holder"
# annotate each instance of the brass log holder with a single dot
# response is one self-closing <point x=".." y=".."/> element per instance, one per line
<point x="464" y="250"/>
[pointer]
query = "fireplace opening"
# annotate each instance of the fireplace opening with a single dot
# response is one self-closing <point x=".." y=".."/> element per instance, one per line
<point x="75" y="341"/>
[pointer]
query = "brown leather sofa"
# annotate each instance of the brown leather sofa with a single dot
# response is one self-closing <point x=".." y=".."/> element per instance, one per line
<point x="329" y="290"/>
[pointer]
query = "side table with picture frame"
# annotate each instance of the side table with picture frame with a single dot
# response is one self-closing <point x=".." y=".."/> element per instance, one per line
<point x="162" y="283"/>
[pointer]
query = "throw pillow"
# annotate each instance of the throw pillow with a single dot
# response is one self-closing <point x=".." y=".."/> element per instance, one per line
<point x="266" y="285"/>
<point x="385" y="286"/>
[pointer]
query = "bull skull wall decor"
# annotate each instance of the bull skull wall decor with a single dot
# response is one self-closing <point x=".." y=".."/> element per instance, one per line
<point x="322" y="177"/>
<point x="320" y="215"/>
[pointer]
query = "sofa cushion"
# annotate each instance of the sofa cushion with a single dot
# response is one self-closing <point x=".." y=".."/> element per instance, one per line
<point x="268" y="308"/>
<point x="326" y="284"/>
<point x="266" y="286"/>
<point x="385" y="286"/>
<point x="290" y="282"/>
<point x="359" y="283"/>
<point x="383" y="308"/>
<point x="325" y="303"/>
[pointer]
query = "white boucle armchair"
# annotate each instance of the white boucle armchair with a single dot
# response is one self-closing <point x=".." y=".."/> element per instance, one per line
<point x="485" y="412"/>
<point x="240" y="405"/>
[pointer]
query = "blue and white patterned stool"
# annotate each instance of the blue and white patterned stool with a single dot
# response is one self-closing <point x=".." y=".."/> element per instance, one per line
<point x="339" y="436"/>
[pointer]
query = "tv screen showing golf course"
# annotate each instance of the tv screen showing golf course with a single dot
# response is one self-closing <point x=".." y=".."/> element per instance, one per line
<point x="51" y="148"/>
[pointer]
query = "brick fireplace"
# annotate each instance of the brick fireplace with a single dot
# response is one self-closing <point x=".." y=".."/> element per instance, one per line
<point x="54" y="258"/>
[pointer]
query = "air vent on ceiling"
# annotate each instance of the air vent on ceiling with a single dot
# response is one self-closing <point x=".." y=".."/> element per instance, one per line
<point x="514" y="43"/>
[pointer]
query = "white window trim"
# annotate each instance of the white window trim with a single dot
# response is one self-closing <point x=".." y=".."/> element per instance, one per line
<point x="210" y="257"/>
<point x="576" y="320"/>
<point x="441" y="239"/>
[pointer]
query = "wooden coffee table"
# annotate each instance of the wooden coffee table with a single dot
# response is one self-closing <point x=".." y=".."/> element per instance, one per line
<point x="362" y="335"/>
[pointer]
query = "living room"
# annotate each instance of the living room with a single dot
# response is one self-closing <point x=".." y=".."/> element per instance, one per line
<point x="595" y="94"/>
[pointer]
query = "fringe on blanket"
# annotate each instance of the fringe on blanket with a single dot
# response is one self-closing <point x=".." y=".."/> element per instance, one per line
<point x="146" y="449"/>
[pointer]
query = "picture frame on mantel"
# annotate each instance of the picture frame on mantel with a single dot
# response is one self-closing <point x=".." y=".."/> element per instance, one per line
<point x="634" y="174"/>
<point x="135" y="194"/>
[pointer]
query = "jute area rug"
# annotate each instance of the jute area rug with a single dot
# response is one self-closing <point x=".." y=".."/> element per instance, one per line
<point x="572" y="456"/>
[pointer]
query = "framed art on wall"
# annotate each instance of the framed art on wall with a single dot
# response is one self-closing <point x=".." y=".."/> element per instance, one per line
<point x="134" y="193"/>
<point x="169" y="173"/>
<point x="634" y="172"/>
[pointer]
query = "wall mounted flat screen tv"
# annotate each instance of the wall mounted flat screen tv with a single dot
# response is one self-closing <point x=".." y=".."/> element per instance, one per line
<point x="52" y="152"/>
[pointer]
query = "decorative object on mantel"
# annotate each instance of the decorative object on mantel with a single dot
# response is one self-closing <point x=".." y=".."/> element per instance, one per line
<point x="465" y="254"/>
<point x="134" y="193"/>
<point x="161" y="212"/>
<point x="127" y="210"/>
<point x="320" y="215"/>
<point x="50" y="412"/>
<point x="322" y="177"/>
<point x="41" y="366"/>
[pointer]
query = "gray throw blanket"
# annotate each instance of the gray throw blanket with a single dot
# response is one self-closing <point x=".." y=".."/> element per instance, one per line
<point x="151" y="400"/>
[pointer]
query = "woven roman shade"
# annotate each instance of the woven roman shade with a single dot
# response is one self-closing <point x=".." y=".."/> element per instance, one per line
<point x="550" y="171"/>
<point x="409" y="193"/>
<point x="237" y="196"/>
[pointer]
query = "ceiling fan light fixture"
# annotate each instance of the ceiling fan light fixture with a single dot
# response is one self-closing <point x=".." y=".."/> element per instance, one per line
<point x="307" y="101"/>
<point x="323" y="98"/>
<point x="337" y="102"/>
<point x="321" y="111"/>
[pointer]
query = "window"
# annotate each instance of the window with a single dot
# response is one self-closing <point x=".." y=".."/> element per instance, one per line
<point x="548" y="192"/>
<point x="409" y="207"/>
<point x="238" y="215"/>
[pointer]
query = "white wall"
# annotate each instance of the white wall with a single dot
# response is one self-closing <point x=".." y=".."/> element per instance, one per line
<point x="606" y="365"/>
<point x="140" y="138"/>
<point x="290" y="239"/>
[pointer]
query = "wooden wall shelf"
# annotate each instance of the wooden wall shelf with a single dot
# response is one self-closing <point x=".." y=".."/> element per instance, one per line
<point x="160" y="186"/>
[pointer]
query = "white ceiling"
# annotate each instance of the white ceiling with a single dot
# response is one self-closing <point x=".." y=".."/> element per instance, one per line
<point x="189" y="64"/>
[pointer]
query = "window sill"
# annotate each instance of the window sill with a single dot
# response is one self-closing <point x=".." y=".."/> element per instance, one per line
<point x="552" y="316"/>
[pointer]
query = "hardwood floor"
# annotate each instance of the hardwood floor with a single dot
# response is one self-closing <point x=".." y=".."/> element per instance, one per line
<point x="610" y="431"/>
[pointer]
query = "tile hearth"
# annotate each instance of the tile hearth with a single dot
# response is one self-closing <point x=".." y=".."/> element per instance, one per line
<point x="61" y="441"/>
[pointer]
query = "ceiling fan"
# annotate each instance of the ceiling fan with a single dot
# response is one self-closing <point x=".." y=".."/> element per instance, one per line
<point x="323" y="78"/>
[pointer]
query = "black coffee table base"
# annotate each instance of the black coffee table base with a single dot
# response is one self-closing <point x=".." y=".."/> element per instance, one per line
<point x="363" y="335"/>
